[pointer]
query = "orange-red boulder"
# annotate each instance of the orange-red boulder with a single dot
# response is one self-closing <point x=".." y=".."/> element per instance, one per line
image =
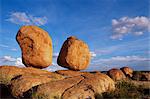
<point x="36" y="46"/>
<point x="74" y="54"/>
<point x="127" y="71"/>
<point x="116" y="74"/>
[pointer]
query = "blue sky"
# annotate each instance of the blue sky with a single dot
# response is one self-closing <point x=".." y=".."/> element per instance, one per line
<point x="117" y="31"/>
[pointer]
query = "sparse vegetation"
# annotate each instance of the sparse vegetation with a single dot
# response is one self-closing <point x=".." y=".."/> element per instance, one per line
<point x="127" y="90"/>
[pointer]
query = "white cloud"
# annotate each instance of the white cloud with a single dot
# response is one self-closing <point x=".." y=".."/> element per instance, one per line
<point x="125" y="25"/>
<point x="93" y="54"/>
<point x="9" y="60"/>
<point x="23" y="18"/>
<point x="18" y="62"/>
<point x="124" y="58"/>
<point x="135" y="62"/>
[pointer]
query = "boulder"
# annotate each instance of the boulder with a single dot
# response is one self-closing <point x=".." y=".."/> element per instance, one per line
<point x="69" y="73"/>
<point x="33" y="83"/>
<point x="36" y="46"/>
<point x="25" y="82"/>
<point x="145" y="76"/>
<point x="7" y="73"/>
<point x="127" y="71"/>
<point x="141" y="76"/>
<point x="116" y="74"/>
<point x="74" y="54"/>
<point x="91" y="87"/>
<point x="55" y="89"/>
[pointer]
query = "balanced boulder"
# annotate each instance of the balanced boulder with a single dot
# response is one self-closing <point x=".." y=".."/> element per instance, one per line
<point x="116" y="74"/>
<point x="127" y="71"/>
<point x="74" y="54"/>
<point x="36" y="46"/>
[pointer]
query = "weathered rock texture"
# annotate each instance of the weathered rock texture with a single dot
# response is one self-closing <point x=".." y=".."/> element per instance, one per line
<point x="116" y="74"/>
<point x="7" y="73"/>
<point x="91" y="86"/>
<point x="36" y="46"/>
<point x="69" y="73"/>
<point x="74" y="54"/>
<point x="127" y="71"/>
<point x="41" y="84"/>
<point x="55" y="90"/>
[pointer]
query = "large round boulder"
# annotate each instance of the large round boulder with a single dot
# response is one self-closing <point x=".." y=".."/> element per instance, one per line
<point x="127" y="71"/>
<point x="74" y="54"/>
<point x="116" y="74"/>
<point x="36" y="46"/>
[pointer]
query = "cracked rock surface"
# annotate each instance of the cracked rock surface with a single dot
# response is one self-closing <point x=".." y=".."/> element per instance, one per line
<point x="34" y="83"/>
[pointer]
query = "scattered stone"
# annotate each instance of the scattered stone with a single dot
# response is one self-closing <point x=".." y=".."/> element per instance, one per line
<point x="141" y="76"/>
<point x="74" y="54"/>
<point x="36" y="46"/>
<point x="145" y="77"/>
<point x="127" y="71"/>
<point x="116" y="74"/>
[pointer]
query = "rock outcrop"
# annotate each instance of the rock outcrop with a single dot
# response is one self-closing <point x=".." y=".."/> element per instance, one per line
<point x="55" y="89"/>
<point x="90" y="87"/>
<point x="36" y="84"/>
<point x="69" y="73"/>
<point x="7" y="73"/>
<point x="36" y="46"/>
<point x="127" y="71"/>
<point x="141" y="76"/>
<point x="116" y="74"/>
<point x="74" y="54"/>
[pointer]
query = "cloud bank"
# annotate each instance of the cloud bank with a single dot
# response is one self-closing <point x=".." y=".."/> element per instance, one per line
<point x="9" y="60"/>
<point x="22" y="18"/>
<point x="126" y="25"/>
<point x="135" y="62"/>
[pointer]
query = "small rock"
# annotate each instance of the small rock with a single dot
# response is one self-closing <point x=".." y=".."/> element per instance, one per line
<point x="127" y="71"/>
<point x="116" y="74"/>
<point x="36" y="46"/>
<point x="74" y="54"/>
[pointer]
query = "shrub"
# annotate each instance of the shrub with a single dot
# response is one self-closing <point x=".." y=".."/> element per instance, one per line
<point x="125" y="90"/>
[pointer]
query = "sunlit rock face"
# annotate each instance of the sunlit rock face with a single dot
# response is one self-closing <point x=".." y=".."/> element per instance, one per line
<point x="33" y="83"/>
<point x="127" y="71"/>
<point x="116" y="74"/>
<point x="36" y="46"/>
<point x="74" y="54"/>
